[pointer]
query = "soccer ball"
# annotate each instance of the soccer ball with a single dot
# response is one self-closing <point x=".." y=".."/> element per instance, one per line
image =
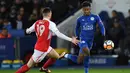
<point x="108" y="45"/>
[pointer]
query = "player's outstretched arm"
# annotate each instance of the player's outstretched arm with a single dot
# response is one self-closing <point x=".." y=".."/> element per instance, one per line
<point x="30" y="29"/>
<point x="54" y="29"/>
<point x="101" y="25"/>
<point x="77" y="29"/>
<point x="62" y="36"/>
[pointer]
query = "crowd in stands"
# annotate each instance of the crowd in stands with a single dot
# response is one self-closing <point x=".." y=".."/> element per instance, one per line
<point x="117" y="30"/>
<point x="20" y="14"/>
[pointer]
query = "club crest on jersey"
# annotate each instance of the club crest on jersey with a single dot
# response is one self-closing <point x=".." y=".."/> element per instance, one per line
<point x="92" y="18"/>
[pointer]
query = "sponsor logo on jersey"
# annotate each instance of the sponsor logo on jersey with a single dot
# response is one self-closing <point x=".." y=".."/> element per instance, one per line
<point x="88" y="27"/>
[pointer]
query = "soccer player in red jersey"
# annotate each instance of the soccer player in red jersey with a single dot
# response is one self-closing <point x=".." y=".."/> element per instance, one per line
<point x="44" y="29"/>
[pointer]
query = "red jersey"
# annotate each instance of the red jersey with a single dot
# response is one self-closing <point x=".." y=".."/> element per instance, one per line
<point x="43" y="35"/>
<point x="44" y="29"/>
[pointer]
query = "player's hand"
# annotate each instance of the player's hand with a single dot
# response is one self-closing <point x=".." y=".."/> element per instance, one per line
<point x="27" y="31"/>
<point x="75" y="41"/>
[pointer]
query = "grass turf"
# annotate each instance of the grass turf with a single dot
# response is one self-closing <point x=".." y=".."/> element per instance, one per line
<point x="71" y="70"/>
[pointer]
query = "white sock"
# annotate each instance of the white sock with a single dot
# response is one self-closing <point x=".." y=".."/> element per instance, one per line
<point x="66" y="55"/>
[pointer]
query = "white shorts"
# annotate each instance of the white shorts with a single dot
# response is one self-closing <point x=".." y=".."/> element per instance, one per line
<point x="38" y="56"/>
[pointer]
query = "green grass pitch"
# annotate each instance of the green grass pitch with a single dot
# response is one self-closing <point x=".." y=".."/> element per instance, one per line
<point x="65" y="70"/>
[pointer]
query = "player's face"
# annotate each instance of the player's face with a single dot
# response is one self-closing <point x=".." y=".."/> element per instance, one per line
<point x="5" y="32"/>
<point x="86" y="10"/>
<point x="50" y="15"/>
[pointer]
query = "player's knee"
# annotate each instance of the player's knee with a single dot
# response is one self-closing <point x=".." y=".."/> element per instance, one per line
<point x="86" y="54"/>
<point x="79" y="61"/>
<point x="57" y="57"/>
<point x="86" y="51"/>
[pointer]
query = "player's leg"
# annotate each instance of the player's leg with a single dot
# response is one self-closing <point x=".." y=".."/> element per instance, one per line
<point x="71" y="57"/>
<point x="53" y="54"/>
<point x="87" y="56"/>
<point x="86" y="64"/>
<point x="83" y="52"/>
<point x="23" y="69"/>
<point x="77" y="59"/>
<point x="83" y="56"/>
<point x="49" y="62"/>
<point x="86" y="59"/>
<point x="53" y="57"/>
<point x="36" y="58"/>
<point x="26" y="67"/>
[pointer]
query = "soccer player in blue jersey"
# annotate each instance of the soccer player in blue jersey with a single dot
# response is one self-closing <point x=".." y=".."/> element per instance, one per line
<point x="85" y="30"/>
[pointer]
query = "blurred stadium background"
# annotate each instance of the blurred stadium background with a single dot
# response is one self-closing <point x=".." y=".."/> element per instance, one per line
<point x="16" y="46"/>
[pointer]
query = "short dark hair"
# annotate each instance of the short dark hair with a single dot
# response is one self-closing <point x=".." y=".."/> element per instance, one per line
<point x="115" y="11"/>
<point x="86" y="4"/>
<point x="45" y="11"/>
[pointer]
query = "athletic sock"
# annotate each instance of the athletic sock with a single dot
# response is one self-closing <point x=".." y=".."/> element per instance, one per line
<point x="86" y="64"/>
<point x="23" y="69"/>
<point x="49" y="62"/>
<point x="71" y="57"/>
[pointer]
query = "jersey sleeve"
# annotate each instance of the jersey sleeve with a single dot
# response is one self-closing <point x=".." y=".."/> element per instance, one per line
<point x="101" y="25"/>
<point x="55" y="30"/>
<point x="77" y="29"/>
<point x="53" y="27"/>
<point x="31" y="29"/>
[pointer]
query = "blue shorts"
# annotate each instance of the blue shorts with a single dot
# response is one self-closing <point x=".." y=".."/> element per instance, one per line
<point x="85" y="44"/>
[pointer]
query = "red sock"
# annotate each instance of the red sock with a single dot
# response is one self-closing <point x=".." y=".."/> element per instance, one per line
<point x="49" y="62"/>
<point x="23" y="69"/>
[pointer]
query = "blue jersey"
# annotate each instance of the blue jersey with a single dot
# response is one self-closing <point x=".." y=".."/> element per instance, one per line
<point x="86" y="26"/>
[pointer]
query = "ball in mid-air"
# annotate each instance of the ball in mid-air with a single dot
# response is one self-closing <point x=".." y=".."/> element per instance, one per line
<point x="108" y="45"/>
